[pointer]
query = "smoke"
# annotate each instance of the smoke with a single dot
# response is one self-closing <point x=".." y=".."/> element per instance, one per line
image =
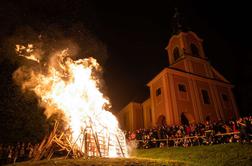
<point x="132" y="146"/>
<point x="48" y="39"/>
<point x="48" y="42"/>
<point x="27" y="78"/>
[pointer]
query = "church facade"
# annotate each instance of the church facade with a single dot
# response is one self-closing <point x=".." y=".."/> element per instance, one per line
<point x="190" y="90"/>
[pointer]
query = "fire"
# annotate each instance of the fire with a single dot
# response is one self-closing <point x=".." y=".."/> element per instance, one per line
<point x="71" y="87"/>
<point x="26" y="51"/>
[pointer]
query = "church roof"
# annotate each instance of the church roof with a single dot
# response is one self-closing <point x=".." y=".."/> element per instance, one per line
<point x="218" y="78"/>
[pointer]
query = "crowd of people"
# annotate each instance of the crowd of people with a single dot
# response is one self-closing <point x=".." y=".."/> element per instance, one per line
<point x="186" y="135"/>
<point x="12" y="153"/>
<point x="206" y="133"/>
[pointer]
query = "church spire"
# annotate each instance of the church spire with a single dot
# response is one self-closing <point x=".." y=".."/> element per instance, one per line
<point x="177" y="23"/>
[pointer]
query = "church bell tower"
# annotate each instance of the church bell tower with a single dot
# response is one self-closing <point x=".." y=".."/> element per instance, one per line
<point x="185" y="50"/>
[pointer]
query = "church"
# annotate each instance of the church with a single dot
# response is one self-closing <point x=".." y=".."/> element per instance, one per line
<point x="188" y="91"/>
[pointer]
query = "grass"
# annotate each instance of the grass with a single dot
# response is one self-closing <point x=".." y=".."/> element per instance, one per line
<point x="219" y="155"/>
<point x="214" y="155"/>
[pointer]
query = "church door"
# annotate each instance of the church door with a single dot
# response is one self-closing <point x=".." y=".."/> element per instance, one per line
<point x="161" y="121"/>
<point x="184" y="120"/>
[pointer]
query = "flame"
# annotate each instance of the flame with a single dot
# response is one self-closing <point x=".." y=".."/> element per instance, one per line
<point x="71" y="87"/>
<point x="27" y="52"/>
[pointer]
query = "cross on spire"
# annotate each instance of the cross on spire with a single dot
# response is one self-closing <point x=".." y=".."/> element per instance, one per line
<point x="177" y="24"/>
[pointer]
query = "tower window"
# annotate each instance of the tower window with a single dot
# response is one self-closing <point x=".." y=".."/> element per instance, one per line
<point x="195" y="51"/>
<point x="182" y="87"/>
<point x="158" y="92"/>
<point x="176" y="53"/>
<point x="205" y="96"/>
<point x="224" y="97"/>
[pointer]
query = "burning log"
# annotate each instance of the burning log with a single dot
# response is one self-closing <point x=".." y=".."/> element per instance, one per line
<point x="92" y="145"/>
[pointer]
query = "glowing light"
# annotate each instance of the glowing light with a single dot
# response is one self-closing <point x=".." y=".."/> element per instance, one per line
<point x="27" y="52"/>
<point x="72" y="88"/>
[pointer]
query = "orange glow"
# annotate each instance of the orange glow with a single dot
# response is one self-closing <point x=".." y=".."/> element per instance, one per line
<point x="71" y="87"/>
<point x="27" y="52"/>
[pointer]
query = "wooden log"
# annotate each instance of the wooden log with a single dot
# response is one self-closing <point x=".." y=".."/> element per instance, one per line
<point x="96" y="141"/>
<point x="38" y="151"/>
<point x="74" y="150"/>
<point x="119" y="143"/>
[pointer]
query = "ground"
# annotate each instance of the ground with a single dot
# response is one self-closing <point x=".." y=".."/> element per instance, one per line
<point x="212" y="155"/>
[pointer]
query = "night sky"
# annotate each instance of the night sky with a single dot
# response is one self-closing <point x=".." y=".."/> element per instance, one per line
<point x="132" y="37"/>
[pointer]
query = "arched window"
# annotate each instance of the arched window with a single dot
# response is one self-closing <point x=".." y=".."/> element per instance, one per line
<point x="195" y="51"/>
<point x="206" y="98"/>
<point x="176" y="53"/>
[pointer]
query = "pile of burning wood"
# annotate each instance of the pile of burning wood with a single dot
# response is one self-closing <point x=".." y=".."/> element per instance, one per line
<point x="71" y="88"/>
<point x="59" y="144"/>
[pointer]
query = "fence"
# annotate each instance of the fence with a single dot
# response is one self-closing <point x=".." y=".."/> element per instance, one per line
<point x="179" y="140"/>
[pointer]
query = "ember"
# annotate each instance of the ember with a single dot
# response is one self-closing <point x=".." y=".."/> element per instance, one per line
<point x="71" y="88"/>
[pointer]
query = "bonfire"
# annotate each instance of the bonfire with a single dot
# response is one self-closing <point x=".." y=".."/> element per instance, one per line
<point x="71" y="88"/>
